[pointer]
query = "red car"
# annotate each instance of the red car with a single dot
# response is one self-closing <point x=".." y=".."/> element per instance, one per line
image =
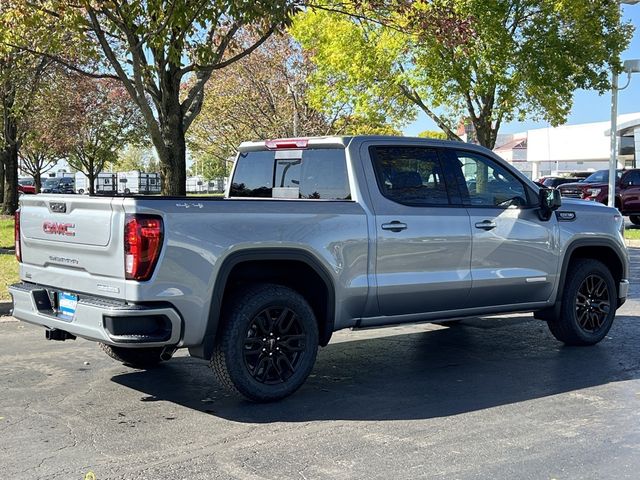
<point x="26" y="185"/>
<point x="596" y="188"/>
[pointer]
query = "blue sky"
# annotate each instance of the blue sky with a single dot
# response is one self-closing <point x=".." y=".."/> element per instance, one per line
<point x="587" y="106"/>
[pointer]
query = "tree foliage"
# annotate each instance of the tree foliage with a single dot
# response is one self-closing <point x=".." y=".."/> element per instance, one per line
<point x="45" y="136"/>
<point x="267" y="95"/>
<point x="164" y="52"/>
<point x="490" y="61"/>
<point x="137" y="157"/>
<point x="99" y="118"/>
<point x="23" y="75"/>
<point x="264" y="95"/>
<point x="439" y="135"/>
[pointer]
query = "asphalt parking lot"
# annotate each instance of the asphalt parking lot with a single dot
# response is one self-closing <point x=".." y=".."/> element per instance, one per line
<point x="492" y="398"/>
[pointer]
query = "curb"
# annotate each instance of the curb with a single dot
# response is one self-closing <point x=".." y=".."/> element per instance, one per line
<point x="633" y="243"/>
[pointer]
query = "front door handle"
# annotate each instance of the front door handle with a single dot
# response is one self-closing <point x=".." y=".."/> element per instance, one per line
<point x="486" y="225"/>
<point x="394" y="226"/>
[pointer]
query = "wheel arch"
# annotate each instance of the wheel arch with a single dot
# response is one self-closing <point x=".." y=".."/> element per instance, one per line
<point x="601" y="249"/>
<point x="257" y="265"/>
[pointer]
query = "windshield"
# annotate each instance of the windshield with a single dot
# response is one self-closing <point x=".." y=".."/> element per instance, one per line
<point x="601" y="176"/>
<point x="25" y="181"/>
<point x="51" y="182"/>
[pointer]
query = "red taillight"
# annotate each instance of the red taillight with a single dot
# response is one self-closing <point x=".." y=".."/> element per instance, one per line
<point x="16" y="236"/>
<point x="286" y="143"/>
<point x="142" y="244"/>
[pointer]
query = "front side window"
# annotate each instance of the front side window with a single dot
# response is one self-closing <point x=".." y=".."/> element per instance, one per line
<point x="319" y="174"/>
<point x="632" y="179"/>
<point x="410" y="175"/>
<point x="486" y="183"/>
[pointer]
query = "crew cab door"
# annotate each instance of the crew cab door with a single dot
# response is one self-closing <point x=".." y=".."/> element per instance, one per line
<point x="514" y="256"/>
<point x="423" y="242"/>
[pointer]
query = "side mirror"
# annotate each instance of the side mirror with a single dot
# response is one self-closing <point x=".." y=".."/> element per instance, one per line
<point x="550" y="200"/>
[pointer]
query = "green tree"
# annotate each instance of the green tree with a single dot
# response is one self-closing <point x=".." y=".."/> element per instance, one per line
<point x="490" y="61"/>
<point x="100" y="118"/>
<point x="137" y="157"/>
<point x="264" y="95"/>
<point x="23" y="74"/>
<point x="433" y="134"/>
<point x="164" y="52"/>
<point x="44" y="137"/>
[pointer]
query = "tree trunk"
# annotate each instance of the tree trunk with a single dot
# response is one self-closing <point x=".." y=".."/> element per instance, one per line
<point x="37" y="180"/>
<point x="10" y="201"/>
<point x="485" y="133"/>
<point x="172" y="152"/>
<point x="173" y="166"/>
<point x="2" y="177"/>
<point x="10" y="160"/>
<point x="92" y="187"/>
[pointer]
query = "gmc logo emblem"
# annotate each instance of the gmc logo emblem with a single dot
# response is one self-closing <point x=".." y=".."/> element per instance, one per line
<point x="55" y="228"/>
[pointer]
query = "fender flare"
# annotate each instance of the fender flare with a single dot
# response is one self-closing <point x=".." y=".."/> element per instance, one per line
<point x="554" y="311"/>
<point x="258" y="254"/>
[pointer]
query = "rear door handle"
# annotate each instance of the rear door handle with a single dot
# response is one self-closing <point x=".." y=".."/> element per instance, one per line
<point x="394" y="226"/>
<point x="486" y="225"/>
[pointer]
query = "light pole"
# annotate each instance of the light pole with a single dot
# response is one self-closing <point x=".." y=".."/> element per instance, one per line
<point x="629" y="67"/>
<point x="613" y="159"/>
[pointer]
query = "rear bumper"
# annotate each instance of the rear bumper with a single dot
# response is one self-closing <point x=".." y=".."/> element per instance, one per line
<point x="99" y="319"/>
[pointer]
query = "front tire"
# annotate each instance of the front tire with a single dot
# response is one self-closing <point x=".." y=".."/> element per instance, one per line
<point x="589" y="303"/>
<point x="268" y="344"/>
<point x="142" y="358"/>
<point x="635" y="219"/>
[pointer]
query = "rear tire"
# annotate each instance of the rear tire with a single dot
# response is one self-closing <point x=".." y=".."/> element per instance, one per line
<point x="635" y="219"/>
<point x="589" y="303"/>
<point x="268" y="343"/>
<point x="142" y="358"/>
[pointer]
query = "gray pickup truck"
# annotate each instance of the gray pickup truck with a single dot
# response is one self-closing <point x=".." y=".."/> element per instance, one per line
<point x="313" y="236"/>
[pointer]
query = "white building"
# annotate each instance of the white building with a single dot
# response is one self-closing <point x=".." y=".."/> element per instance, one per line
<point x="571" y="148"/>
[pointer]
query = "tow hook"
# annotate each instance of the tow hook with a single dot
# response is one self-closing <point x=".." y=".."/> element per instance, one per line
<point x="60" y="335"/>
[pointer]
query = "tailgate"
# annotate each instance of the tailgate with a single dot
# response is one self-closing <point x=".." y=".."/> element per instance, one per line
<point x="71" y="242"/>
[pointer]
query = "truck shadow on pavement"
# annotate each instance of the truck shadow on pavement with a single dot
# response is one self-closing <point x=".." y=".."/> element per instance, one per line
<point x="476" y="365"/>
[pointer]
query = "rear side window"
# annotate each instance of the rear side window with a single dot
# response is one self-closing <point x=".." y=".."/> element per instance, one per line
<point x="310" y="174"/>
<point x="410" y="175"/>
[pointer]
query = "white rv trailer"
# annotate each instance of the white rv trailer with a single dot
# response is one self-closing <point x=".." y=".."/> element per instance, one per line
<point x="104" y="183"/>
<point x="139" y="182"/>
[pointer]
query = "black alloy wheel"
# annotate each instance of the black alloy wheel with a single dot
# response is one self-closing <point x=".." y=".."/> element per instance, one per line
<point x="592" y="303"/>
<point x="275" y="345"/>
<point x="268" y="343"/>
<point x="588" y="303"/>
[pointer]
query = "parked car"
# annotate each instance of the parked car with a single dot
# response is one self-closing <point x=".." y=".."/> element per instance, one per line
<point x="581" y="189"/>
<point x="316" y="235"/>
<point x="58" y="185"/>
<point x="554" y="182"/>
<point x="26" y="185"/>
<point x="580" y="175"/>
<point x="627" y="198"/>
